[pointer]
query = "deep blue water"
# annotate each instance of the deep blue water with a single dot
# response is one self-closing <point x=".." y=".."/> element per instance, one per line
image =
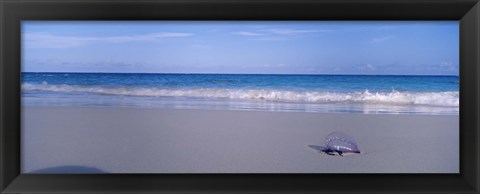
<point x="303" y="93"/>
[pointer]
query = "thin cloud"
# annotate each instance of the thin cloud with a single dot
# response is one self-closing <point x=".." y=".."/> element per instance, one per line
<point x="382" y="39"/>
<point x="271" y="38"/>
<point x="370" y="28"/>
<point x="448" y="65"/>
<point x="368" y="67"/>
<point x="278" y="32"/>
<point x="46" y="40"/>
<point x="294" y="31"/>
<point x="244" y="33"/>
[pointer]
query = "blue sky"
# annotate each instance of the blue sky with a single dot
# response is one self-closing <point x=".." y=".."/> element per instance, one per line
<point x="392" y="48"/>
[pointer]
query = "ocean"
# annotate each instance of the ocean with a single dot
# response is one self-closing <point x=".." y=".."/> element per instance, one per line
<point x="367" y="94"/>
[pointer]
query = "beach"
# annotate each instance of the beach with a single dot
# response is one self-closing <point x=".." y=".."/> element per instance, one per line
<point x="240" y="97"/>
<point x="156" y="140"/>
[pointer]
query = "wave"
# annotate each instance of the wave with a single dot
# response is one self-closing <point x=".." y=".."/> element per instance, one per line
<point x="450" y="98"/>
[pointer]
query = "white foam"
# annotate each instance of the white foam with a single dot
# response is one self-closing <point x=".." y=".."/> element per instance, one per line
<point x="450" y="98"/>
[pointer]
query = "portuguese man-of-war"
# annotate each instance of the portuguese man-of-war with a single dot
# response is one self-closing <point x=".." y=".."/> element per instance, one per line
<point x="337" y="143"/>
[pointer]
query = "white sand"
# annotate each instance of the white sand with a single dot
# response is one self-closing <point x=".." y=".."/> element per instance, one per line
<point x="129" y="140"/>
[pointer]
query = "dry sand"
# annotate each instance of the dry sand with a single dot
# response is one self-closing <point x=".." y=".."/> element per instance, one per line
<point x="136" y="140"/>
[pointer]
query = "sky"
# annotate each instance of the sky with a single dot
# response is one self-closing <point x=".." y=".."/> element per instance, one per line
<point x="257" y="47"/>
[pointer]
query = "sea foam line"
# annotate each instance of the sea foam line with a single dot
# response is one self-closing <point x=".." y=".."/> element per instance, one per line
<point x="450" y="98"/>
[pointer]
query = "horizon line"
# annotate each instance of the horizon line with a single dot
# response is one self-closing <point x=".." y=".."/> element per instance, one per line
<point x="246" y="73"/>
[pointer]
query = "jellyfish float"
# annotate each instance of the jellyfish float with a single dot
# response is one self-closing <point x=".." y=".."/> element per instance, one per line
<point x="338" y="143"/>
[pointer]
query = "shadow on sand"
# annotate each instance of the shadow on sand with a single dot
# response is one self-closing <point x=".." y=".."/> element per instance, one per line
<point x="69" y="170"/>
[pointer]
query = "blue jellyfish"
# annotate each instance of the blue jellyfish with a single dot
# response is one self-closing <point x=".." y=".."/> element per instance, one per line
<point x="339" y="143"/>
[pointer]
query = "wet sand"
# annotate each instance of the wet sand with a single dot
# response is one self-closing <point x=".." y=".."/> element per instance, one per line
<point x="148" y="140"/>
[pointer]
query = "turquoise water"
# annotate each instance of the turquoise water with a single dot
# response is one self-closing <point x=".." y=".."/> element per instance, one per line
<point x="300" y="93"/>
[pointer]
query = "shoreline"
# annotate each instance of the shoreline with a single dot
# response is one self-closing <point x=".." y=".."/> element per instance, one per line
<point x="152" y="140"/>
<point x="244" y="110"/>
<point x="222" y="104"/>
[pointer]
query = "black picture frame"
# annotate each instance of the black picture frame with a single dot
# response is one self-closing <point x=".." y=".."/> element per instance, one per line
<point x="12" y="12"/>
